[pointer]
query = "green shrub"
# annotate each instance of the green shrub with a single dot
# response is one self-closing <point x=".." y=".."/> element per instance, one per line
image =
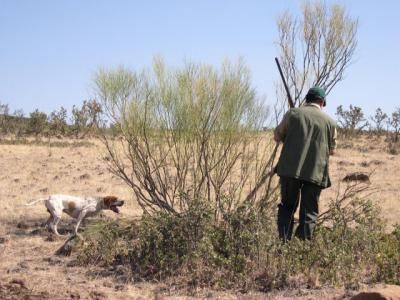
<point x="107" y="242"/>
<point x="167" y="242"/>
<point x="388" y="258"/>
<point x="37" y="123"/>
<point x="241" y="250"/>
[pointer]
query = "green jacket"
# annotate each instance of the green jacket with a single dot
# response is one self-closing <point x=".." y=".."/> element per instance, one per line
<point x="309" y="137"/>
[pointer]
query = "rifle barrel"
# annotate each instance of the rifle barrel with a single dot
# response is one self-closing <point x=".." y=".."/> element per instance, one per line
<point x="291" y="103"/>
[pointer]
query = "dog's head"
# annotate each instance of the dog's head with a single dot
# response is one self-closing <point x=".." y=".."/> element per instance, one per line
<point x="112" y="203"/>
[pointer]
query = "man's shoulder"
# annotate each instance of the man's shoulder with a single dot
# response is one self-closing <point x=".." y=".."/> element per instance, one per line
<point x="307" y="110"/>
<point x="313" y="111"/>
<point x="329" y="119"/>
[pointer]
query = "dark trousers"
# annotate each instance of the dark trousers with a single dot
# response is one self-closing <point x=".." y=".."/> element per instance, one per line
<point x="294" y="191"/>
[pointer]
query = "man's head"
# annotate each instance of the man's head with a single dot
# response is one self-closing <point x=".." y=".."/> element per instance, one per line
<point x="316" y="95"/>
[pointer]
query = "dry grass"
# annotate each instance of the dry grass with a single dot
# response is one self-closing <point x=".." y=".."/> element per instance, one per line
<point x="30" y="171"/>
<point x="369" y="155"/>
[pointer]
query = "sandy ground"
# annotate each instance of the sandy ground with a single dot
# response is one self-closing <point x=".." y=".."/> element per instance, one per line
<point x="369" y="155"/>
<point x="28" y="268"/>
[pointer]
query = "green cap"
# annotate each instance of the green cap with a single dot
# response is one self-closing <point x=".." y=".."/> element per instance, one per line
<point x="317" y="92"/>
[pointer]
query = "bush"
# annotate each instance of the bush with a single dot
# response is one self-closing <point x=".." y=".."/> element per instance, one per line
<point x="379" y="121"/>
<point x="37" y="123"/>
<point x="4" y="113"/>
<point x="167" y="242"/>
<point x="187" y="135"/>
<point x="242" y="249"/>
<point x="388" y="258"/>
<point x="86" y="119"/>
<point x="107" y="242"/>
<point x="394" y="122"/>
<point x="351" y="121"/>
<point x="58" y="122"/>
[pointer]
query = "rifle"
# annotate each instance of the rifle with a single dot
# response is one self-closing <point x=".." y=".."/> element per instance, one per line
<point x="290" y="99"/>
<point x="269" y="174"/>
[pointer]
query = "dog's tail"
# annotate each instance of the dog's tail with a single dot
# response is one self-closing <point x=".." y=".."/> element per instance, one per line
<point x="36" y="201"/>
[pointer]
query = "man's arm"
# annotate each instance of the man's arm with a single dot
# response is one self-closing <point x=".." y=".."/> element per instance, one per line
<point x="281" y="130"/>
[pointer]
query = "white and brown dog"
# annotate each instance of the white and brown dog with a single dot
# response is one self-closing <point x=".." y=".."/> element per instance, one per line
<point x="76" y="207"/>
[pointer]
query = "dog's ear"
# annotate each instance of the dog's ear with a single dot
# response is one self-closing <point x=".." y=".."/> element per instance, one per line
<point x="109" y="200"/>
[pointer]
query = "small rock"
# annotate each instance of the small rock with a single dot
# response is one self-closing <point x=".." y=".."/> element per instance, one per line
<point x="95" y="295"/>
<point x="74" y="296"/>
<point x="36" y="231"/>
<point x="119" y="287"/>
<point x="345" y="163"/>
<point x="21" y="267"/>
<point x="389" y="292"/>
<point x="52" y="261"/>
<point x="357" y="176"/>
<point x="376" y="162"/>
<point x="107" y="284"/>
<point x="22" y="225"/>
<point x="84" y="176"/>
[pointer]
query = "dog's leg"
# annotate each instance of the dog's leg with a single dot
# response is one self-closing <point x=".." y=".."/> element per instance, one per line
<point x="54" y="223"/>
<point x="47" y="223"/>
<point x="51" y="224"/>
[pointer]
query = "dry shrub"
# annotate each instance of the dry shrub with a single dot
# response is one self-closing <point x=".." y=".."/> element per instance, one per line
<point x="188" y="135"/>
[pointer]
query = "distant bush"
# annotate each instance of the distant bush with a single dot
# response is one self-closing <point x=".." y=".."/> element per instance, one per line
<point x="378" y="120"/>
<point x="351" y="121"/>
<point x="58" y="122"/>
<point x="4" y="113"/>
<point x="12" y="123"/>
<point x="37" y="123"/>
<point x="87" y="118"/>
<point x="40" y="142"/>
<point x="394" y="122"/>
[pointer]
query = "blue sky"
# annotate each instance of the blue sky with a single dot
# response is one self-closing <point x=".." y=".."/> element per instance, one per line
<point x="49" y="50"/>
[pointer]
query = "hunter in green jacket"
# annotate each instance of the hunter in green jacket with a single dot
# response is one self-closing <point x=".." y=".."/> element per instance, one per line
<point x="309" y="138"/>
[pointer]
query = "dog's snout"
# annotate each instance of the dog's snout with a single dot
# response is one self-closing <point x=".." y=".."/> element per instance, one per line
<point x="119" y="203"/>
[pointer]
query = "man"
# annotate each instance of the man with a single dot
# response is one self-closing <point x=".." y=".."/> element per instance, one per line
<point x="309" y="138"/>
